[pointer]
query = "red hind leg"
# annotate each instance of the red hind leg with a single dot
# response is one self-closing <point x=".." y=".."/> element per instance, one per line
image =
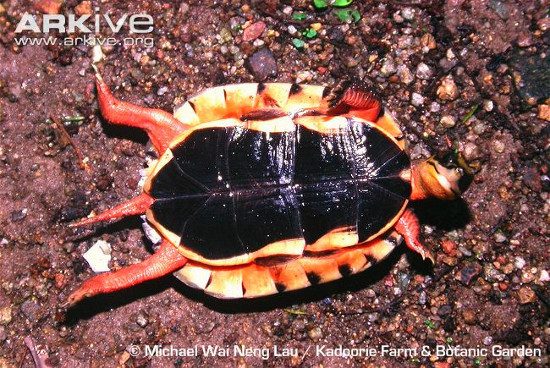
<point x="409" y="228"/>
<point x="357" y="99"/>
<point x="166" y="260"/>
<point x="161" y="126"/>
<point x="135" y="206"/>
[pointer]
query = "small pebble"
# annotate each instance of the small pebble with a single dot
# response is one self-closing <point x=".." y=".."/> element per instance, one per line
<point x="498" y="146"/>
<point x="544" y="24"/>
<point x="84" y="8"/>
<point x="487" y="341"/>
<point x="370" y="293"/>
<point x="98" y="256"/>
<point x="397" y="17"/>
<point x="470" y="151"/>
<point x="32" y="310"/>
<point x="465" y="251"/>
<point x="447" y="90"/>
<point x="405" y="74"/>
<point x="417" y="99"/>
<point x="17" y="216"/>
<point x="141" y="320"/>
<point x="97" y="54"/>
<point x="162" y="90"/>
<point x="262" y="64"/>
<point x="422" y="298"/>
<point x="488" y="105"/>
<point x="469" y="273"/>
<point x="408" y="13"/>
<point x="315" y="334"/>
<point x="388" y="68"/>
<point x="5" y="315"/>
<point x="447" y="121"/>
<point x="48" y="6"/>
<point x="544" y="276"/>
<point x="435" y="107"/>
<point x="428" y="41"/>
<point x="449" y="247"/>
<point x="423" y="71"/>
<point x="526" y="295"/>
<point x="499" y="237"/>
<point x="519" y="262"/>
<point x="253" y="31"/>
<point x="544" y="112"/>
<point x="469" y="316"/>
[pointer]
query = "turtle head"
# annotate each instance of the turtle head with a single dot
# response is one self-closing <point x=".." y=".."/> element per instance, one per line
<point x="445" y="176"/>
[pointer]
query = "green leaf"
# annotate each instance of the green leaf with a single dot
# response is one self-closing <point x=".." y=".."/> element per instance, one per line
<point x="309" y="33"/>
<point x="348" y="15"/>
<point x="356" y="15"/>
<point x="320" y="4"/>
<point x="72" y="120"/>
<point x="470" y="113"/>
<point x="299" y="44"/>
<point x="341" y="3"/>
<point x="344" y="15"/>
<point x="299" y="16"/>
<point x="429" y="324"/>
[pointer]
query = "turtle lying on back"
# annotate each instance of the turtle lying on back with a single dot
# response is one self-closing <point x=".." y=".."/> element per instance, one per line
<point x="262" y="188"/>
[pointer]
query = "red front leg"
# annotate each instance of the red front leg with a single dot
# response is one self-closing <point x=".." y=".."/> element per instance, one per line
<point x="409" y="228"/>
<point x="161" y="126"/>
<point x="167" y="259"/>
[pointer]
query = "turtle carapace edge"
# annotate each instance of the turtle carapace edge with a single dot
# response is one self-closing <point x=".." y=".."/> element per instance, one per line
<point x="262" y="188"/>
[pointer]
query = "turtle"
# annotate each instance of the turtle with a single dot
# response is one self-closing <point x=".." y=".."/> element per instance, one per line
<point x="262" y="188"/>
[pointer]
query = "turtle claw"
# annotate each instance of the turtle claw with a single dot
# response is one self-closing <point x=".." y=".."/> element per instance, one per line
<point x="424" y="252"/>
<point x="409" y="228"/>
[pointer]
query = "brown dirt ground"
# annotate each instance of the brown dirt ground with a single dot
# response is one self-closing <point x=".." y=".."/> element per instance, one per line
<point x="488" y="287"/>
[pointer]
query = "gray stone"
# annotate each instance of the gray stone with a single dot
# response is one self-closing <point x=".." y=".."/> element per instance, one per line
<point x="262" y="64"/>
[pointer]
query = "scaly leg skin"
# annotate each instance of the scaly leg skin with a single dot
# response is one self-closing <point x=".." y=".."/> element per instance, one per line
<point x="409" y="228"/>
<point x="166" y="260"/>
<point x="161" y="126"/>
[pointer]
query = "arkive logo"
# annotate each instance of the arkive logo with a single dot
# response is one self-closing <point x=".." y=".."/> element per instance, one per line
<point x="87" y="23"/>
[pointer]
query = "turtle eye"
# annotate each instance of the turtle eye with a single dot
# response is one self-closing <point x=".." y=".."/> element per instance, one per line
<point x="448" y="159"/>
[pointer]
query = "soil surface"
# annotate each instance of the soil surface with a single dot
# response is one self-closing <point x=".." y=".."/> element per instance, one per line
<point x="471" y="73"/>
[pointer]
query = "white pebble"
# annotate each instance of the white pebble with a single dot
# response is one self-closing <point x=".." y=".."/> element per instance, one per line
<point x="417" y="99"/>
<point x="150" y="231"/>
<point x="97" y="54"/>
<point x="519" y="262"/>
<point x="423" y="71"/>
<point x="162" y="90"/>
<point x="488" y="105"/>
<point x="408" y="13"/>
<point x="98" y="256"/>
